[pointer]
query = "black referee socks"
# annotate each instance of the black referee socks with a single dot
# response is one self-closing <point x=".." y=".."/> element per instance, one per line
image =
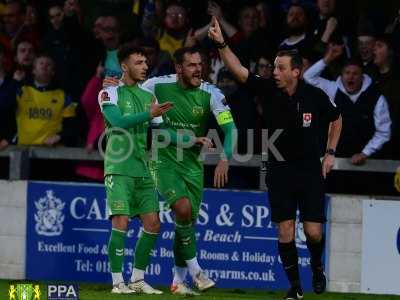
<point x="289" y="257"/>
<point x="316" y="249"/>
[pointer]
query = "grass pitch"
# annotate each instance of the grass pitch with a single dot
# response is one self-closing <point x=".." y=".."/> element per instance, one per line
<point x="102" y="292"/>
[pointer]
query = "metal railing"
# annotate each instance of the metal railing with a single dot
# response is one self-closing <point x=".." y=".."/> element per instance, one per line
<point x="20" y="161"/>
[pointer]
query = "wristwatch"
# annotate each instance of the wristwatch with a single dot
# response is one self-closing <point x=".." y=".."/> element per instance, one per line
<point x="330" y="151"/>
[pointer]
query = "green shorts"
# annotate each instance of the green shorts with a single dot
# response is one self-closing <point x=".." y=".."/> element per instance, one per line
<point x="174" y="185"/>
<point x="130" y="196"/>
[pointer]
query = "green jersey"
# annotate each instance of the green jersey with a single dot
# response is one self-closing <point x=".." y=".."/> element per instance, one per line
<point x="126" y="148"/>
<point x="192" y="108"/>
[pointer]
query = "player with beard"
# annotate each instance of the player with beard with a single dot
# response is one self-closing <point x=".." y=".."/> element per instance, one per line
<point x="296" y="24"/>
<point x="180" y="179"/>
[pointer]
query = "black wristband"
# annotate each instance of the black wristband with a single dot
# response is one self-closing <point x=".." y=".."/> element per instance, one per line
<point x="331" y="151"/>
<point x="221" y="45"/>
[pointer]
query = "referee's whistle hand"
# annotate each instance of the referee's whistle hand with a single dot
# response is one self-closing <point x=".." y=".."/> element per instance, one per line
<point x="327" y="164"/>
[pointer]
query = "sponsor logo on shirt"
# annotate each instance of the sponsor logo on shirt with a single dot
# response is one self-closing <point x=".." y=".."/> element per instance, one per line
<point x="307" y="117"/>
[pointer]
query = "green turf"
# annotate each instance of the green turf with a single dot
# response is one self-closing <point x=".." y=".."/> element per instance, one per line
<point x="102" y="292"/>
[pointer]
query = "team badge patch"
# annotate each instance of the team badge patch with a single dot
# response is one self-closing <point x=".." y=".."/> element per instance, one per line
<point x="307" y="117"/>
<point x="104" y="97"/>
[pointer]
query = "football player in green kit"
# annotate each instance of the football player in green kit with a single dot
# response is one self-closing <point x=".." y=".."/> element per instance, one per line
<point x="130" y="189"/>
<point x="179" y="179"/>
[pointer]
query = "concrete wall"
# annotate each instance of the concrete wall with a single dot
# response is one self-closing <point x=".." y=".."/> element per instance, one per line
<point x="12" y="229"/>
<point x="345" y="240"/>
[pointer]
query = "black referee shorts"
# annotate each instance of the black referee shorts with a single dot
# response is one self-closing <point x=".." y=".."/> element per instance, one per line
<point x="296" y="185"/>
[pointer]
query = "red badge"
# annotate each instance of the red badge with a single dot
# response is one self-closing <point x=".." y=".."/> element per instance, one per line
<point x="307" y="117"/>
<point x="104" y="97"/>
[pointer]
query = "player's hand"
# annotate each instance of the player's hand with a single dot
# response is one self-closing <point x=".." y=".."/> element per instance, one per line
<point x="3" y="144"/>
<point x="327" y="164"/>
<point x="214" y="31"/>
<point x="221" y="173"/>
<point x="204" y="141"/>
<point x="110" y="81"/>
<point x="359" y="159"/>
<point x="157" y="110"/>
<point x="52" y="140"/>
<point x="333" y="52"/>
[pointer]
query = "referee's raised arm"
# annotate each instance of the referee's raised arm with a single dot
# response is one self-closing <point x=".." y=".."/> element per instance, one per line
<point x="230" y="59"/>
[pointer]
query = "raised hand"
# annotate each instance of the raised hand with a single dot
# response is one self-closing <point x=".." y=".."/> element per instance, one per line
<point x="333" y="52"/>
<point x="214" y="31"/>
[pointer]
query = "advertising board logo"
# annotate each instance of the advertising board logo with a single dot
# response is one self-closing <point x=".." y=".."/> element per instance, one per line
<point x="49" y="216"/>
<point x="62" y="292"/>
<point x="24" y="291"/>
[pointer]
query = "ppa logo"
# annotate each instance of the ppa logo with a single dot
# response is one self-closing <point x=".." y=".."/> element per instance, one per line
<point x="62" y="292"/>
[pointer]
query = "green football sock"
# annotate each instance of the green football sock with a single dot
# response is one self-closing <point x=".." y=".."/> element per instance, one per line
<point x="186" y="240"/>
<point x="116" y="247"/>
<point x="144" y="245"/>
<point x="179" y="261"/>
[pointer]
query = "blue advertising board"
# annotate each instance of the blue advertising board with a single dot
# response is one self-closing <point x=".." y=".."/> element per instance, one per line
<point x="68" y="231"/>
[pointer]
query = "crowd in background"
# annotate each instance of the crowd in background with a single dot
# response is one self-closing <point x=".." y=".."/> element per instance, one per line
<point x="55" y="54"/>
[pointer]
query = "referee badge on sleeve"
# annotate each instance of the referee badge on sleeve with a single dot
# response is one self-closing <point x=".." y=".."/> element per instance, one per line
<point x="307" y="117"/>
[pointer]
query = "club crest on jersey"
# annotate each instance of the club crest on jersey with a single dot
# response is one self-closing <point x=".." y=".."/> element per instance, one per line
<point x="198" y="110"/>
<point x="307" y="118"/>
<point x="104" y="97"/>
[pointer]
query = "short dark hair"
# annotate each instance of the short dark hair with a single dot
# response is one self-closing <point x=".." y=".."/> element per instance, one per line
<point x="296" y="61"/>
<point x="127" y="49"/>
<point x="180" y="53"/>
<point x="354" y="61"/>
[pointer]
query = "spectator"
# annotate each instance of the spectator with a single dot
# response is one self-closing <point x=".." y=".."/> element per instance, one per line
<point x="388" y="81"/>
<point x="328" y="28"/>
<point x="171" y="36"/>
<point x="24" y="56"/>
<point x="264" y="67"/>
<point x="297" y="24"/>
<point x="89" y="102"/>
<point x="366" y="119"/>
<point x="45" y="114"/>
<point x="15" y="29"/>
<point x="8" y="88"/>
<point x="159" y="62"/>
<point x="365" y="45"/>
<point x="111" y="38"/>
<point x="62" y="41"/>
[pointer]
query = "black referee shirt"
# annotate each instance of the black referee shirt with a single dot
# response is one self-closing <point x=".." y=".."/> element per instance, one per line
<point x="300" y="116"/>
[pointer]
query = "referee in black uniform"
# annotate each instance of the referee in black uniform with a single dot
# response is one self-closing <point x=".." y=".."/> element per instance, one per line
<point x="295" y="176"/>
